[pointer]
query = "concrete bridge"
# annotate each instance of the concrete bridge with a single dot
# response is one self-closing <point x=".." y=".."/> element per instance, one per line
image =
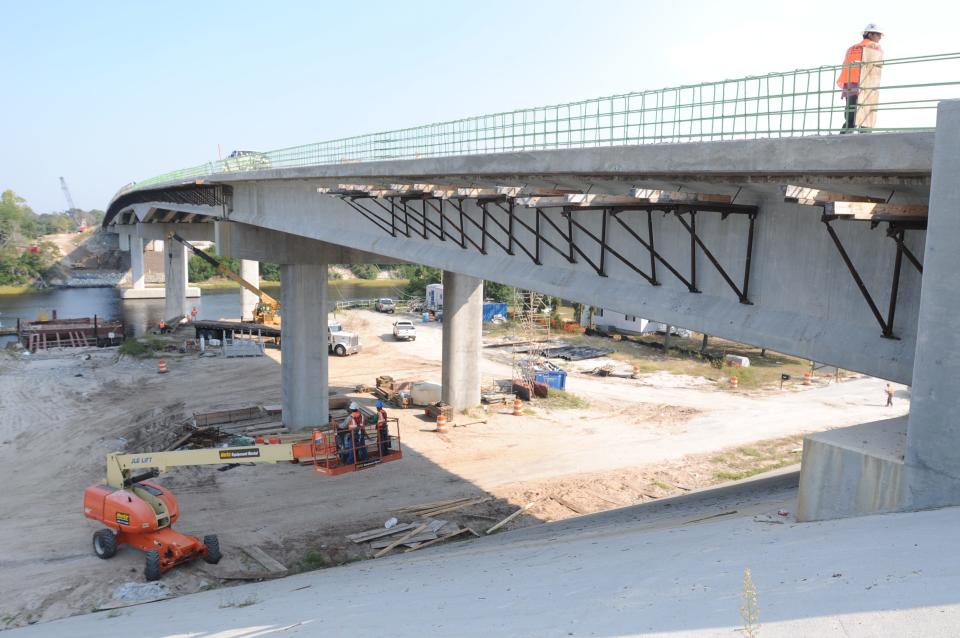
<point x="840" y="249"/>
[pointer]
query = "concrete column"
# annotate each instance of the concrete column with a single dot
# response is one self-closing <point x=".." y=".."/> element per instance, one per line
<point x="462" y="324"/>
<point x="303" y="346"/>
<point x="249" y="270"/>
<point x="136" y="263"/>
<point x="932" y="456"/>
<point x="175" y="280"/>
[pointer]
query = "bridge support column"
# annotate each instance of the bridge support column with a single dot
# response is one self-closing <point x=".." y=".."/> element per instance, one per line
<point x="932" y="457"/>
<point x="303" y="296"/>
<point x="249" y="270"/>
<point x="137" y="275"/>
<point x="462" y="324"/>
<point x="175" y="280"/>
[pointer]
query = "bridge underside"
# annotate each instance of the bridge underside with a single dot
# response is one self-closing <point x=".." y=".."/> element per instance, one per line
<point x="814" y="247"/>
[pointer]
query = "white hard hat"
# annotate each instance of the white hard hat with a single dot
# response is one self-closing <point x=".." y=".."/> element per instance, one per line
<point x="872" y="28"/>
<point x="353" y="405"/>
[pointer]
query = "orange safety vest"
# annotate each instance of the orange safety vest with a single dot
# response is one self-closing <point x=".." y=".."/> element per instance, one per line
<point x="852" y="63"/>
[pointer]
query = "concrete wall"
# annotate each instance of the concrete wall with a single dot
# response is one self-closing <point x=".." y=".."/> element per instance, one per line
<point x="933" y="436"/>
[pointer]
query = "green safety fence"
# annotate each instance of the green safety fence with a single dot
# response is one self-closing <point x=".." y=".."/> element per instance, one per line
<point x="787" y="104"/>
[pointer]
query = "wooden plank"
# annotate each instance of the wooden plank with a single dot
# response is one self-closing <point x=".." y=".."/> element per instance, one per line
<point x="269" y="562"/>
<point x="862" y="210"/>
<point x="815" y="197"/>
<point x="654" y="196"/>
<point x="419" y="538"/>
<point x="463" y="530"/>
<point x="511" y="517"/>
<point x="400" y="541"/>
<point x="370" y="534"/>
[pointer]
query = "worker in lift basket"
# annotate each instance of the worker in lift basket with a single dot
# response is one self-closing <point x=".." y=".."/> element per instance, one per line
<point x="355" y="437"/>
<point x="859" y="81"/>
<point x="383" y="430"/>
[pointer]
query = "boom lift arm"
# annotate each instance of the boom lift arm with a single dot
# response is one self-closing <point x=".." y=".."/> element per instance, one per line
<point x="121" y="467"/>
<point x="226" y="272"/>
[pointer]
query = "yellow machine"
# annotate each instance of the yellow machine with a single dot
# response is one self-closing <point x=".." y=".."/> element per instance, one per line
<point x="267" y="311"/>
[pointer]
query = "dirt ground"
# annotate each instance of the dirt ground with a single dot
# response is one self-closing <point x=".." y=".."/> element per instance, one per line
<point x="630" y="440"/>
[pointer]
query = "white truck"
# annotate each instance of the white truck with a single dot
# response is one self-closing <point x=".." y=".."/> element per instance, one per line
<point x="340" y="342"/>
<point x="404" y="330"/>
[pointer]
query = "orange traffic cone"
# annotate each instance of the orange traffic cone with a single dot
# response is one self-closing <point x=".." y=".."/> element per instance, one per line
<point x="162" y="366"/>
<point x="517" y="407"/>
<point x="734" y="382"/>
<point x="441" y="423"/>
<point x="807" y="378"/>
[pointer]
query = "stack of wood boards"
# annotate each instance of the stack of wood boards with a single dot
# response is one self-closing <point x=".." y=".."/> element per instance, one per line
<point x="253" y="421"/>
<point x="439" y="507"/>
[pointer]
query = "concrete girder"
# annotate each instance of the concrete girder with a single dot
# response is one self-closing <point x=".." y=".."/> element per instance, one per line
<point x="245" y="241"/>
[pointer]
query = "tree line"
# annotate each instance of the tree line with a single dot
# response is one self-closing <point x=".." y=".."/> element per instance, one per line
<point x="24" y="257"/>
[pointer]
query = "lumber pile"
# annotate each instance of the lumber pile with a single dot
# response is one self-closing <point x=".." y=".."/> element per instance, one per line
<point x="413" y="536"/>
<point x="439" y="507"/>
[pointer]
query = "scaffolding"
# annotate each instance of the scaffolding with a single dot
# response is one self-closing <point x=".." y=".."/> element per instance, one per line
<point x="533" y="334"/>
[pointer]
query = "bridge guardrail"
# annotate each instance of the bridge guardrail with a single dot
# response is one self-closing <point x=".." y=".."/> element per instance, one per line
<point x="783" y="104"/>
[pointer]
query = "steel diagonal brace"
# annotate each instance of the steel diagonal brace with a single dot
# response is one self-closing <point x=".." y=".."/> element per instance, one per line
<point x="691" y="227"/>
<point x="383" y="224"/>
<point x="886" y="325"/>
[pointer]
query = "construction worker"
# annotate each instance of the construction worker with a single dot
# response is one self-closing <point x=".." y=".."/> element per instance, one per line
<point x="889" y="391"/>
<point x="163" y="327"/>
<point x="383" y="430"/>
<point x="357" y="435"/>
<point x="859" y="80"/>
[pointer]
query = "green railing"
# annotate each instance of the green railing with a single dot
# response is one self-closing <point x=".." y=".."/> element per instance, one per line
<point x="789" y="104"/>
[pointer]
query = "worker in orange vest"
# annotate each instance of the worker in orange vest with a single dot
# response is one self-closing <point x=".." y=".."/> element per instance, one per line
<point x="163" y="327"/>
<point x="859" y="80"/>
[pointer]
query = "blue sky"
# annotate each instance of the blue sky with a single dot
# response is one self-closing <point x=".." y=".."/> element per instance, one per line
<point x="105" y="93"/>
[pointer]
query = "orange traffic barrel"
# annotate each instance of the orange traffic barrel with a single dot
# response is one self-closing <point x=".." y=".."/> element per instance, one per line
<point x="441" y="423"/>
<point x="161" y="366"/>
<point x="734" y="382"/>
<point x="517" y="407"/>
<point x="807" y="378"/>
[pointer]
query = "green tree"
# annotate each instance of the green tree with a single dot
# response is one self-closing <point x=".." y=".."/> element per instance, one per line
<point x="418" y="277"/>
<point x="500" y="293"/>
<point x="269" y="271"/>
<point x="364" y="271"/>
<point x="198" y="269"/>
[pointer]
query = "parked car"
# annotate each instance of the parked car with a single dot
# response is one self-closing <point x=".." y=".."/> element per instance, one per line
<point x="239" y="161"/>
<point x="386" y="304"/>
<point x="404" y="330"/>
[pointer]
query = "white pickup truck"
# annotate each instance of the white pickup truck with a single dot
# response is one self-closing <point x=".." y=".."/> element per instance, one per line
<point x="404" y="330"/>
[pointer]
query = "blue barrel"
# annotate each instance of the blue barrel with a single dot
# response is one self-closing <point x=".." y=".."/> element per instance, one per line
<point x="426" y="317"/>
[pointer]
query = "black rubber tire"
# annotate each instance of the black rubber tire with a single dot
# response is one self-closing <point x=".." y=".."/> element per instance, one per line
<point x="339" y="350"/>
<point x="104" y="543"/>
<point x="152" y="569"/>
<point x="213" y="549"/>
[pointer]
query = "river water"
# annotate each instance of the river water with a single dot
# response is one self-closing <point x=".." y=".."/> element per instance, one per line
<point x="142" y="314"/>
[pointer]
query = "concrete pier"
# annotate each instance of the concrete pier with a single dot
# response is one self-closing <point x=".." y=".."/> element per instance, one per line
<point x="175" y="280"/>
<point x="305" y="380"/>
<point x="933" y="439"/>
<point x="249" y="270"/>
<point x="137" y="278"/>
<point x="462" y="324"/>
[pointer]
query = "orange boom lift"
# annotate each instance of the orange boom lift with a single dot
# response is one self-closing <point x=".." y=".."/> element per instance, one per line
<point x="141" y="513"/>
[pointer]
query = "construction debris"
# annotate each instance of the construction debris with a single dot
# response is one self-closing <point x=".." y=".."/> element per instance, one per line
<point x="400" y="541"/>
<point x="271" y="564"/>
<point x="458" y="532"/>
<point x="430" y="509"/>
<point x="512" y="516"/>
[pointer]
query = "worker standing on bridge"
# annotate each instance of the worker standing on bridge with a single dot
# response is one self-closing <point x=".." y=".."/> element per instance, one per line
<point x="859" y="80"/>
